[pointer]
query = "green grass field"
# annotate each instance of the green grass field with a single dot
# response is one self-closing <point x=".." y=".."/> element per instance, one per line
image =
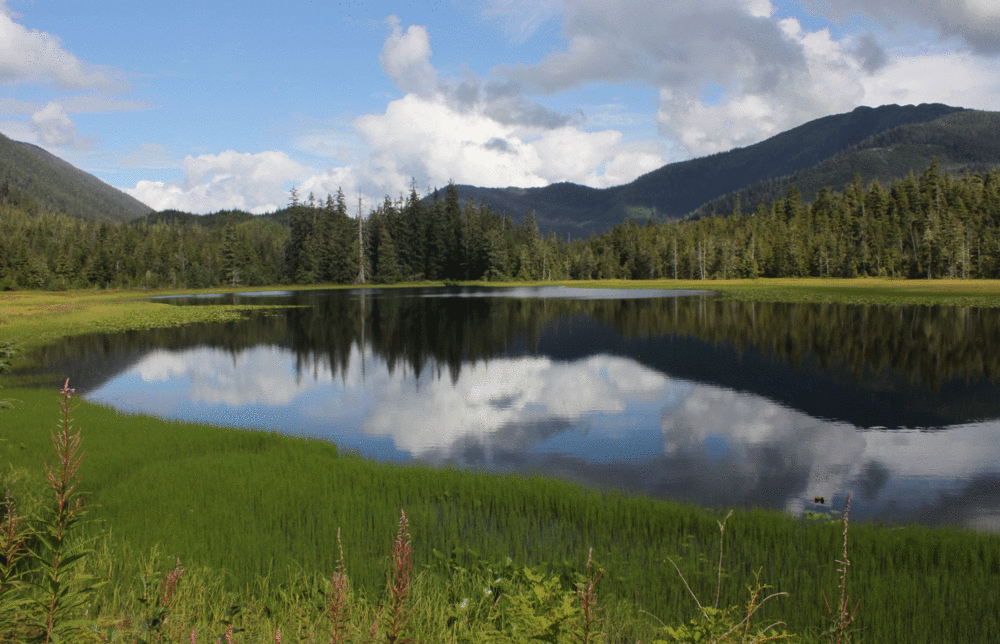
<point x="254" y="518"/>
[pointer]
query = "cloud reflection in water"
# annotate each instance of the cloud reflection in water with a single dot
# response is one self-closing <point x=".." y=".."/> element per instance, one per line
<point x="601" y="420"/>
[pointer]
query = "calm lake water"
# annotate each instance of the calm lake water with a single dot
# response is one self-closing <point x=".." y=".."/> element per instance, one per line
<point x="671" y="394"/>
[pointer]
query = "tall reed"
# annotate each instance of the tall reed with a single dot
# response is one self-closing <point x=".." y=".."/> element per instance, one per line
<point x="400" y="578"/>
<point x="844" y="615"/>
<point x="338" y="610"/>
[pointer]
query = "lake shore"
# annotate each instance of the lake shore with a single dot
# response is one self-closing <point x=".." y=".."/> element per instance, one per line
<point x="192" y="491"/>
<point x="33" y="318"/>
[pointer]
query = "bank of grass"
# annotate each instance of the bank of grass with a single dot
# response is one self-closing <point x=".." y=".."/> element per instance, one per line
<point x="882" y="291"/>
<point x="35" y="318"/>
<point x="257" y="514"/>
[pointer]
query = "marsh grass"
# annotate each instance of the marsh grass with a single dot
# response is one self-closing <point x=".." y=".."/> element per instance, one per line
<point x="254" y="519"/>
<point x="33" y="319"/>
<point x="716" y="625"/>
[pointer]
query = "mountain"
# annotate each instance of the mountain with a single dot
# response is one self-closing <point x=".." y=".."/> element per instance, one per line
<point x="677" y="189"/>
<point x="29" y="171"/>
<point x="966" y="141"/>
<point x="881" y="143"/>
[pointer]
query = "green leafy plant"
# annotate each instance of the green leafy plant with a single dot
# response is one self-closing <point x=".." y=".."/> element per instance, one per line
<point x="14" y="538"/>
<point x="157" y="599"/>
<point x="542" y="610"/>
<point x="63" y="589"/>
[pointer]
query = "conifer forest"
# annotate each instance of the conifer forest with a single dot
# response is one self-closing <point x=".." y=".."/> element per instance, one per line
<point x="928" y="225"/>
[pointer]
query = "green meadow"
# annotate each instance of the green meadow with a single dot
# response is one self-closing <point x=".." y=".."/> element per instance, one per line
<point x="252" y="519"/>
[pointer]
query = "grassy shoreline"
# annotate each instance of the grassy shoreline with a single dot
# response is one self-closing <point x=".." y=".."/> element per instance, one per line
<point x="251" y="509"/>
<point x="38" y="317"/>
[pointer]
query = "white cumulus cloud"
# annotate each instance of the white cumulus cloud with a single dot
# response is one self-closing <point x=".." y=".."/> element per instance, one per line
<point x="827" y="80"/>
<point x="485" y="132"/>
<point x="723" y="73"/>
<point x="212" y="182"/>
<point x="974" y="22"/>
<point x="955" y="78"/>
<point x="54" y="128"/>
<point x="31" y="56"/>
<point x="406" y="58"/>
<point x="734" y="72"/>
<point x="429" y="139"/>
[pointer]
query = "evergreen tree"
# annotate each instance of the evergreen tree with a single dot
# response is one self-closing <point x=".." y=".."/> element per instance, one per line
<point x="388" y="271"/>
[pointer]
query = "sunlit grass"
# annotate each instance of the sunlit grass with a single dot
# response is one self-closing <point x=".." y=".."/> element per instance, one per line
<point x="33" y="319"/>
<point x="261" y="508"/>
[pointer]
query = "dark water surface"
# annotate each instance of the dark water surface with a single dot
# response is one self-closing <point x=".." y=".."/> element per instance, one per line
<point x="666" y="393"/>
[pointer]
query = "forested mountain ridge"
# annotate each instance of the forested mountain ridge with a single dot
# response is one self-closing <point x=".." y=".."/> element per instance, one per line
<point x="924" y="226"/>
<point x="30" y="172"/>
<point x="677" y="189"/>
<point x="881" y="143"/>
<point x="966" y="141"/>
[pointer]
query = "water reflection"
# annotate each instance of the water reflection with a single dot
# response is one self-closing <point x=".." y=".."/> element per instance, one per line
<point x="724" y="403"/>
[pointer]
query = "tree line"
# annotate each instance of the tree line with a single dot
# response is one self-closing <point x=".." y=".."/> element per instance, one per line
<point x="927" y="226"/>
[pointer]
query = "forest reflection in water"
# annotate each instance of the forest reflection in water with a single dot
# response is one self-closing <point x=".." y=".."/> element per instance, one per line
<point x="695" y="397"/>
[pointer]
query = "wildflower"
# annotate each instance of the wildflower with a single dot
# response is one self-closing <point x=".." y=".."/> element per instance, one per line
<point x="464" y="604"/>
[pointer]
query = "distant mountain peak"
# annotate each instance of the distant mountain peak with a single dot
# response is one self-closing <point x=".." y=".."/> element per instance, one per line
<point x="677" y="189"/>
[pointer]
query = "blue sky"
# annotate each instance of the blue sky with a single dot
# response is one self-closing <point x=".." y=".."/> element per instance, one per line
<point x="204" y="106"/>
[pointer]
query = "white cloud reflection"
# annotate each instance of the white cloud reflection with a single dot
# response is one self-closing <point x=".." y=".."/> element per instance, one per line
<point x="590" y="416"/>
<point x="216" y="377"/>
<point x="902" y="468"/>
<point x="489" y="397"/>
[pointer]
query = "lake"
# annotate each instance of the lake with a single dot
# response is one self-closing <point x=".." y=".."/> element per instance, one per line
<point x="672" y="394"/>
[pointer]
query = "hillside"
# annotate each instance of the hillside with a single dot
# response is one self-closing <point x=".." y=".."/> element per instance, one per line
<point x="967" y="141"/>
<point x="29" y="171"/>
<point x="677" y="189"/>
